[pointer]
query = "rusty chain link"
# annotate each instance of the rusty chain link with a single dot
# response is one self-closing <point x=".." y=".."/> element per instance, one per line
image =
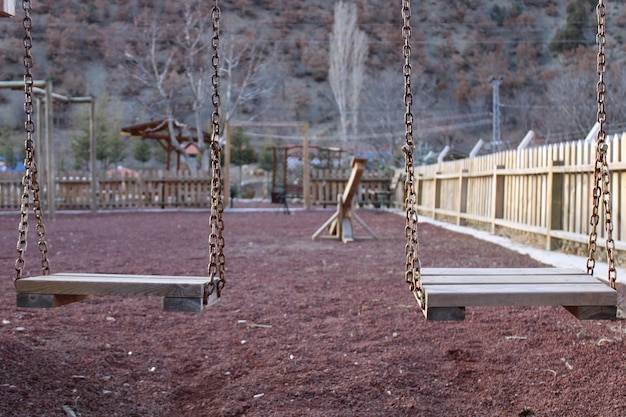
<point x="217" y="260"/>
<point x="602" y="180"/>
<point x="29" y="181"/>
<point x="413" y="268"/>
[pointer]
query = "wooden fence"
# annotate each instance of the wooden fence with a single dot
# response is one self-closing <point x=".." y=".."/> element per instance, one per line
<point x="546" y="191"/>
<point x="147" y="189"/>
<point x="161" y="189"/>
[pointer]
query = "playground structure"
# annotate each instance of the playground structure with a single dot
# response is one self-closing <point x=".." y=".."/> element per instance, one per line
<point x="158" y="131"/>
<point x="340" y="223"/>
<point x="303" y="129"/>
<point x="288" y="169"/>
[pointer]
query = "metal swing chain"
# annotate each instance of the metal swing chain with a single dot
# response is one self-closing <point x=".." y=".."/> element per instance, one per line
<point x="413" y="267"/>
<point x="29" y="181"/>
<point x="217" y="259"/>
<point x="602" y="180"/>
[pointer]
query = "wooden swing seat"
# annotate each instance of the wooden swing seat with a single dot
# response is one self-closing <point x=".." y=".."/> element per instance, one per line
<point x="180" y="293"/>
<point x="449" y="291"/>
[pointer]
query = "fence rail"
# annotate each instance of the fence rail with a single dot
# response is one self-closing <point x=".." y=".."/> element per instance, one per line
<point x="547" y="191"/>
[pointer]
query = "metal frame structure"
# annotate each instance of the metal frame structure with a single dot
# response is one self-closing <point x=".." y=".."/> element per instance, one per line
<point x="303" y="127"/>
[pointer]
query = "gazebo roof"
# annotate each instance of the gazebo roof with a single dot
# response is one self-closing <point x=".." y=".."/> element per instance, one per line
<point x="158" y="130"/>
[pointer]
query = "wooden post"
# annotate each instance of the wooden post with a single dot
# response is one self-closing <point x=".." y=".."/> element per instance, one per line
<point x="554" y="215"/>
<point x="463" y="184"/>
<point x="39" y="148"/>
<point x="437" y="196"/>
<point x="498" y="197"/>
<point x="227" y="165"/>
<point x="92" y="155"/>
<point x="7" y="8"/>
<point x="306" y="192"/>
<point x="419" y="187"/>
<point x="51" y="177"/>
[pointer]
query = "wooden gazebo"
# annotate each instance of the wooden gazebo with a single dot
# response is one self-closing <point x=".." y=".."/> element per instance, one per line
<point x="158" y="130"/>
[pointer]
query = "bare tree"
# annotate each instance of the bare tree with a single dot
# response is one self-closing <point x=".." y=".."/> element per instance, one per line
<point x="195" y="41"/>
<point x="348" y="53"/>
<point x="382" y="118"/>
<point x="249" y="73"/>
<point x="173" y="62"/>
<point x="571" y="107"/>
<point x="152" y="64"/>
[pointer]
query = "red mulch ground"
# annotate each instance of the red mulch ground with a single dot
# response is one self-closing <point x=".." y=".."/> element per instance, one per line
<point x="305" y="328"/>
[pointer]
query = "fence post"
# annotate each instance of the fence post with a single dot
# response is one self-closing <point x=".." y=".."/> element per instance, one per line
<point x="554" y="215"/>
<point x="306" y="188"/>
<point x="7" y="8"/>
<point x="437" y="199"/>
<point x="93" y="157"/>
<point x="463" y="183"/>
<point x="497" y="211"/>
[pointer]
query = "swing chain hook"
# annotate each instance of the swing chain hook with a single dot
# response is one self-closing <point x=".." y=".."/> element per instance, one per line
<point x="412" y="266"/>
<point x="602" y="179"/>
<point x="29" y="180"/>
<point x="217" y="260"/>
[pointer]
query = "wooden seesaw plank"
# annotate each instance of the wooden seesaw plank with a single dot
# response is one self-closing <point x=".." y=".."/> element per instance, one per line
<point x="180" y="293"/>
<point x="449" y="291"/>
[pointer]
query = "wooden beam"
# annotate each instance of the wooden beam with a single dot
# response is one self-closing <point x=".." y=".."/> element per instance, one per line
<point x="358" y="166"/>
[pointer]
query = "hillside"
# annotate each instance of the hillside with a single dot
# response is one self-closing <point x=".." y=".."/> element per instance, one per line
<point x="457" y="49"/>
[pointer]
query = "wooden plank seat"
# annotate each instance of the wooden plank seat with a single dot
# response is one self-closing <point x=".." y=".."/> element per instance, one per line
<point x="449" y="291"/>
<point x="180" y="293"/>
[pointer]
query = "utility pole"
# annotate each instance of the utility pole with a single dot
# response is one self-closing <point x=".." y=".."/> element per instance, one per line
<point x="496" y="140"/>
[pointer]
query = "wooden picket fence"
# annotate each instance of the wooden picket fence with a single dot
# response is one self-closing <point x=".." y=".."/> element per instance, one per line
<point x="546" y="191"/>
<point x="145" y="189"/>
<point x="164" y="189"/>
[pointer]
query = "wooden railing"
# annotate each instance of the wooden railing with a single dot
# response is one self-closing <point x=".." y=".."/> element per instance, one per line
<point x="546" y="191"/>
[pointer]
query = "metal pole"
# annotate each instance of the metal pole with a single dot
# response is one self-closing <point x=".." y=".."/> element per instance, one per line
<point x="496" y="141"/>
